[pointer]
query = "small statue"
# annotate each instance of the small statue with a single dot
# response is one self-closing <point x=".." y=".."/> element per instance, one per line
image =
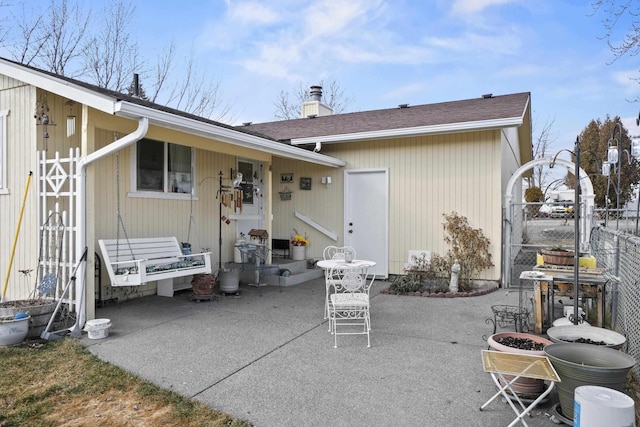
<point x="455" y="271"/>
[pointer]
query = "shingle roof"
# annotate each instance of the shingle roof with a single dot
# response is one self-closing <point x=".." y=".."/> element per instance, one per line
<point x="469" y="110"/>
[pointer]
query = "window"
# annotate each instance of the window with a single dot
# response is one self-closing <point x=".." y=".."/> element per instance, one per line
<point x="3" y="152"/>
<point x="162" y="167"/>
<point x="246" y="168"/>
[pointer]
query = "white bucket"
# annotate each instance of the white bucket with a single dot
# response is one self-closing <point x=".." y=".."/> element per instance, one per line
<point x="596" y="406"/>
<point x="98" y="328"/>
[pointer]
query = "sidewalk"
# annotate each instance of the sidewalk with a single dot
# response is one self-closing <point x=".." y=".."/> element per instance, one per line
<point x="270" y="359"/>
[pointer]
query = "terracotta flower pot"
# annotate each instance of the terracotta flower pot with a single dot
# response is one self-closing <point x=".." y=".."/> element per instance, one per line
<point x="528" y="387"/>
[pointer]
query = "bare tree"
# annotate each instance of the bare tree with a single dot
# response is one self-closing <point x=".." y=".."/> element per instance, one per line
<point x="111" y="57"/>
<point x="289" y="104"/>
<point x="621" y="22"/>
<point x="541" y="146"/>
<point x="30" y="40"/>
<point x="617" y="14"/>
<point x="66" y="41"/>
<point x="189" y="89"/>
<point x="62" y="31"/>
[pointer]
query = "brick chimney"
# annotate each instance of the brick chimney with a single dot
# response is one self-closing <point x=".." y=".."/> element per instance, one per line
<point x="314" y="107"/>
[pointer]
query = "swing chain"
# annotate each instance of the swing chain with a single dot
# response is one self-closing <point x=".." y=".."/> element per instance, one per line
<point x="120" y="221"/>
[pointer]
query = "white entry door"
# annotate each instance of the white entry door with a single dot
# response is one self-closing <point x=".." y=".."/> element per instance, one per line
<point x="366" y="218"/>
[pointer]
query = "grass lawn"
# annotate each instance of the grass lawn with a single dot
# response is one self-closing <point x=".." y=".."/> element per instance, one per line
<point x="59" y="383"/>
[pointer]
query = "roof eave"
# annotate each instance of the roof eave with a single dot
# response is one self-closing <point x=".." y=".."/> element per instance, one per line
<point x="59" y="86"/>
<point x="472" y="126"/>
<point x="229" y="136"/>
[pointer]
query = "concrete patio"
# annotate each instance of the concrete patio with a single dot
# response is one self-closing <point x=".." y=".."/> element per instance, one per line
<point x="270" y="359"/>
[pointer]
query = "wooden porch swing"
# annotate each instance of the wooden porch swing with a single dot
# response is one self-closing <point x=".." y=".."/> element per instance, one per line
<point x="134" y="262"/>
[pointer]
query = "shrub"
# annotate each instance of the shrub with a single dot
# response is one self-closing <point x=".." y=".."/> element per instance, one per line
<point x="469" y="246"/>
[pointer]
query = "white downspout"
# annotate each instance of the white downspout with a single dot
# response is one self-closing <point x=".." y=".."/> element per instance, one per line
<point x="81" y="209"/>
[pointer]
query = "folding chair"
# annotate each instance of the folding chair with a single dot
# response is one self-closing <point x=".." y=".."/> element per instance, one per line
<point x="499" y="364"/>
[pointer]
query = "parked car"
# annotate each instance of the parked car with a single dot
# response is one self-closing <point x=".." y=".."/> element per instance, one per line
<point x="562" y="209"/>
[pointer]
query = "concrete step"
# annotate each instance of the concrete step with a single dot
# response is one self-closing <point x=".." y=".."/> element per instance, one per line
<point x="272" y="274"/>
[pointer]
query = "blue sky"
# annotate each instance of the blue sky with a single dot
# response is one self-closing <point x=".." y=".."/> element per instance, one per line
<point x="389" y="52"/>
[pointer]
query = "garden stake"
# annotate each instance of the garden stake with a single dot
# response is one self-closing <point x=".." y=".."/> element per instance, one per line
<point x="15" y="239"/>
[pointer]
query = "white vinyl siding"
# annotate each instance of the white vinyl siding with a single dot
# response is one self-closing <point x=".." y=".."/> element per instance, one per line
<point x="428" y="177"/>
<point x="3" y="152"/>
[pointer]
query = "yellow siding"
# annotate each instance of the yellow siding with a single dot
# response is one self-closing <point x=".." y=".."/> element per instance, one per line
<point x="428" y="177"/>
<point x="144" y="217"/>
<point x="19" y="99"/>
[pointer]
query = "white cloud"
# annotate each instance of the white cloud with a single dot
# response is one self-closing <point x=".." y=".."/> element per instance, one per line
<point x="470" y="7"/>
<point x="405" y="91"/>
<point x="628" y="79"/>
<point x="251" y="12"/>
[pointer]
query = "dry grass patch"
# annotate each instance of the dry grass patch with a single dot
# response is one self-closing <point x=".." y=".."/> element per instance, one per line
<point x="59" y="383"/>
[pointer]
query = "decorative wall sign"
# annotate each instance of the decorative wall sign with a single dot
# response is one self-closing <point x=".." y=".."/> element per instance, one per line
<point x="286" y="178"/>
<point x="305" y="183"/>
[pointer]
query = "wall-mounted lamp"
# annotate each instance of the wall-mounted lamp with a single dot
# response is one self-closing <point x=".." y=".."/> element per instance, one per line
<point x="326" y="180"/>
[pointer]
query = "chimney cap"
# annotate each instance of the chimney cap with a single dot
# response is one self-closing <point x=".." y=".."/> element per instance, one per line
<point x="315" y="93"/>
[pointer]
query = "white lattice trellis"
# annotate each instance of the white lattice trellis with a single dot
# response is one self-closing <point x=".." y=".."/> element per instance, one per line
<point x="57" y="198"/>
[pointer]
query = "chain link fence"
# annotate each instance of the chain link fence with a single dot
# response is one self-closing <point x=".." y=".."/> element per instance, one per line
<point x="535" y="228"/>
<point x="618" y="253"/>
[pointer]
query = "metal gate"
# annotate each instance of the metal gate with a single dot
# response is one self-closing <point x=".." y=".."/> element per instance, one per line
<point x="532" y="230"/>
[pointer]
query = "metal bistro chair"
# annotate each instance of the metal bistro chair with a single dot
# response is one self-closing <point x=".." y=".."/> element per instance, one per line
<point x="336" y="253"/>
<point x="339" y="252"/>
<point x="349" y="302"/>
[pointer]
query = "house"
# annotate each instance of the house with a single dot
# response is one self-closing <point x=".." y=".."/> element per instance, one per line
<point x="113" y="166"/>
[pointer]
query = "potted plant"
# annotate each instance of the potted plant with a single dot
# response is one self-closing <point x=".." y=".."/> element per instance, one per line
<point x="14" y="329"/>
<point x="40" y="311"/>
<point x="557" y="256"/>
<point x="522" y="343"/>
<point x="298" y="247"/>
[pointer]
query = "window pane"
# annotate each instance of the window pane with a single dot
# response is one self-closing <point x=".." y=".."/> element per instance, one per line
<point x="246" y="169"/>
<point x="179" y="168"/>
<point x="150" y="165"/>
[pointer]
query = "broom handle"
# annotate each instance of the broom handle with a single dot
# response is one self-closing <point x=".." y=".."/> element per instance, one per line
<point x="15" y="239"/>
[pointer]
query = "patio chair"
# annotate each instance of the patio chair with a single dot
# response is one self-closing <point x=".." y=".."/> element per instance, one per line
<point x="334" y="252"/>
<point x="349" y="306"/>
<point x="339" y="252"/>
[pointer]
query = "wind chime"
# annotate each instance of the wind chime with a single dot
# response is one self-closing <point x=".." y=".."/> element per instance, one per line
<point x="41" y="115"/>
<point x="229" y="196"/>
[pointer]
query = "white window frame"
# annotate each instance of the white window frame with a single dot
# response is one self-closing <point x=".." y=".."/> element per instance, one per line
<point x="3" y="152"/>
<point x="134" y="192"/>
